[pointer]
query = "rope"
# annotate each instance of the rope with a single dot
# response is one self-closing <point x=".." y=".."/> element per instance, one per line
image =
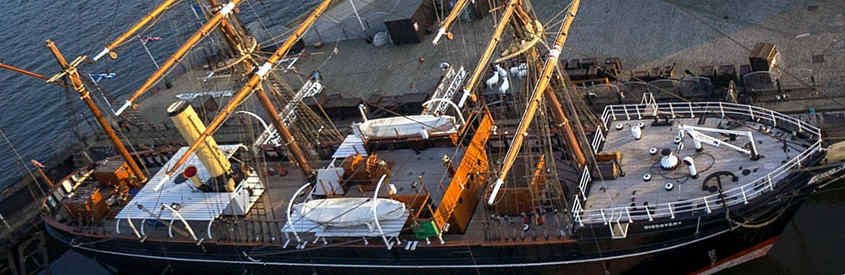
<point x="748" y="224"/>
<point x="20" y="160"/>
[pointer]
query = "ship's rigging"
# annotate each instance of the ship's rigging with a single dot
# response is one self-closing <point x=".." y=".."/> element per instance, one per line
<point x="246" y="62"/>
<point x="486" y="164"/>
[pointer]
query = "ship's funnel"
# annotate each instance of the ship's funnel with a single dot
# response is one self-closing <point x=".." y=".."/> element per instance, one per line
<point x="191" y="127"/>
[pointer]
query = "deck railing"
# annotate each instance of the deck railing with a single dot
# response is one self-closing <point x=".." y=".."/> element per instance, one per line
<point x="741" y="194"/>
<point x="721" y="109"/>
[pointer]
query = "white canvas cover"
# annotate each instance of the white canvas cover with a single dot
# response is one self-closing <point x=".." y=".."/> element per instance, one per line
<point x="343" y="212"/>
<point x="403" y="126"/>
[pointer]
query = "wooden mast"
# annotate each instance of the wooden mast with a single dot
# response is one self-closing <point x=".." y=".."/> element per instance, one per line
<point x="228" y="30"/>
<point x="563" y="123"/>
<point x="444" y="26"/>
<point x="265" y="101"/>
<point x="491" y="46"/>
<point x="252" y="84"/>
<point x="534" y="102"/>
<point x="69" y="71"/>
<point x="558" y="116"/>
<point x="140" y="24"/>
<point x="202" y="32"/>
<point x="28" y="73"/>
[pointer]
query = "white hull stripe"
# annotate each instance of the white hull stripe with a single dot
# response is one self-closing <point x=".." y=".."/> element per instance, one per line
<point x="402" y="266"/>
<point x="757" y="253"/>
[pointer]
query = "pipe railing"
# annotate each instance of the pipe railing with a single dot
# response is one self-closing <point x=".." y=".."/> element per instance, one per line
<point x="741" y="194"/>
<point x="288" y="221"/>
<point x="688" y="109"/>
<point x="387" y="243"/>
<point x="735" y="196"/>
<point x="177" y="215"/>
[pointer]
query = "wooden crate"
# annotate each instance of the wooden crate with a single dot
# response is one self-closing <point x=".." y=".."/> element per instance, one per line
<point x="87" y="203"/>
<point x="113" y="173"/>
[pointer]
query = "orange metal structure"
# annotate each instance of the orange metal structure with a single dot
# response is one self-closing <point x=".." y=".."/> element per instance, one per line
<point x="563" y="122"/>
<point x="253" y="82"/>
<point x="534" y="101"/>
<point x="523" y="199"/>
<point x="73" y="76"/>
<point x="491" y="46"/>
<point x="461" y="197"/>
<point x="538" y="179"/>
<point x="202" y="32"/>
<point x="140" y="24"/>
<point x="560" y="118"/>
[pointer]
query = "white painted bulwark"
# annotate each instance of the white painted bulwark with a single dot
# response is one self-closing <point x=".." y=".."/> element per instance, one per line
<point x="390" y="228"/>
<point x="328" y="181"/>
<point x="343" y="212"/>
<point x="351" y="146"/>
<point x="194" y="205"/>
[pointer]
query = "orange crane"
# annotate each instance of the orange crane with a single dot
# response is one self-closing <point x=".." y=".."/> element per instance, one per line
<point x="534" y="102"/>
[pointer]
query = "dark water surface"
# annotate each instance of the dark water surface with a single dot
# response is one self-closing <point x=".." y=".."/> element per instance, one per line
<point x="36" y="116"/>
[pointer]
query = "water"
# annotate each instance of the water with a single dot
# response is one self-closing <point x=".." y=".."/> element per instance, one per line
<point x="36" y="116"/>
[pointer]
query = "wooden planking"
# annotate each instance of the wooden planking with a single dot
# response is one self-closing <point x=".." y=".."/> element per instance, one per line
<point x="636" y="161"/>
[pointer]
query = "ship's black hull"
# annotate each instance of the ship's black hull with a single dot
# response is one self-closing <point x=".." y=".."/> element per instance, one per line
<point x="669" y="245"/>
<point x="684" y="254"/>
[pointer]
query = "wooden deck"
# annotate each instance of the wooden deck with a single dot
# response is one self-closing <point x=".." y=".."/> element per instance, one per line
<point x="636" y="161"/>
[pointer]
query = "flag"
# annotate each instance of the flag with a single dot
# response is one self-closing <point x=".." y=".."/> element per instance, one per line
<point x="146" y="39"/>
<point x="97" y="77"/>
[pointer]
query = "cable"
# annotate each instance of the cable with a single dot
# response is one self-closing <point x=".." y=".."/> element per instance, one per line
<point x="20" y="160"/>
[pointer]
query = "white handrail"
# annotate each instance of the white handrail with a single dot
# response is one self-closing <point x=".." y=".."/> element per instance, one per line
<point x="450" y="103"/>
<point x="731" y="197"/>
<point x="290" y="205"/>
<point x="375" y="213"/>
<point x="734" y="196"/>
<point x="725" y="107"/>
<point x="143" y="223"/>
<point x="176" y="214"/>
<point x="208" y="229"/>
<point x="132" y="225"/>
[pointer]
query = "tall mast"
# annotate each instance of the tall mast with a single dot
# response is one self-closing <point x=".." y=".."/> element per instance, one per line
<point x="491" y="46"/>
<point x="558" y="116"/>
<point x="534" y="102"/>
<point x="444" y="27"/>
<point x="563" y="122"/>
<point x="202" y="32"/>
<point x="252" y="84"/>
<point x="153" y="15"/>
<point x="70" y="72"/>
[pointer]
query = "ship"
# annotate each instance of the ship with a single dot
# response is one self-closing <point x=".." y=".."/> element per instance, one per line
<point x="506" y="165"/>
